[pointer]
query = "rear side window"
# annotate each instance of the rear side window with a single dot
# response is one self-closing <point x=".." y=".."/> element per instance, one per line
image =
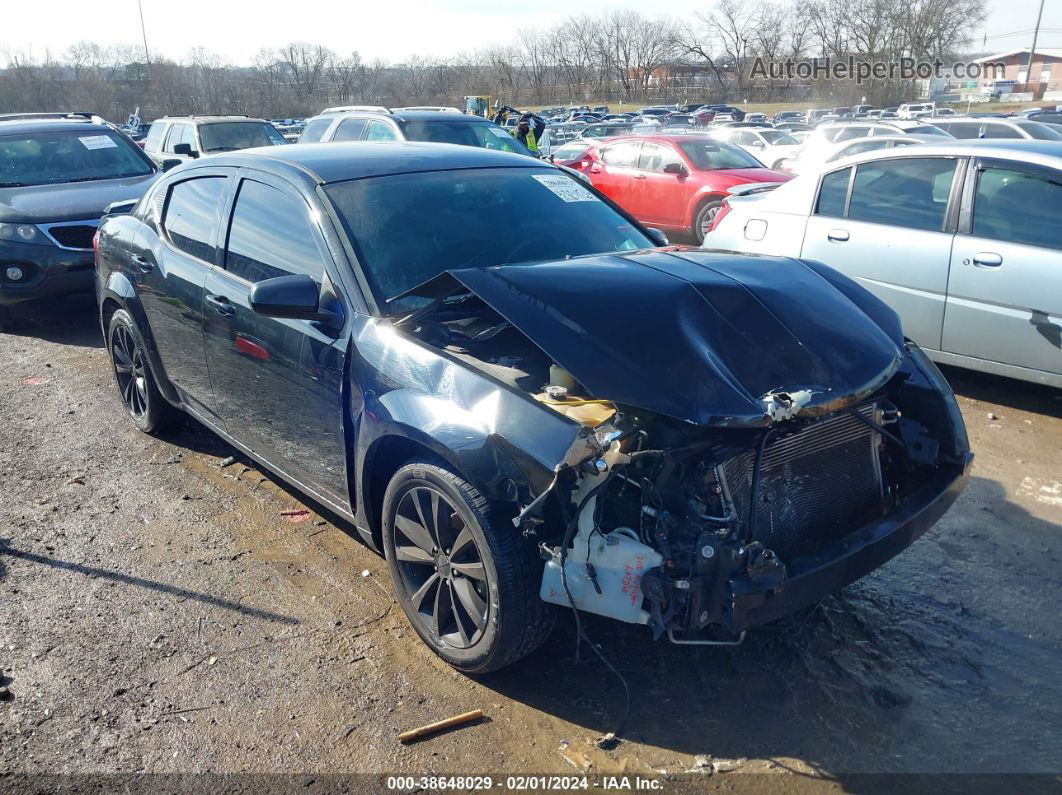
<point x="908" y="192"/>
<point x="153" y="140"/>
<point x="1018" y="207"/>
<point x="348" y="130"/>
<point x="378" y="131"/>
<point x="314" y="131"/>
<point x="271" y="235"/>
<point x="833" y="192"/>
<point x="654" y="157"/>
<point x="625" y="154"/>
<point x="191" y="212"/>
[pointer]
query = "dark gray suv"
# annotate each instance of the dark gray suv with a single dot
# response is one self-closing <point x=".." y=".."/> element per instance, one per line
<point x="58" y="174"/>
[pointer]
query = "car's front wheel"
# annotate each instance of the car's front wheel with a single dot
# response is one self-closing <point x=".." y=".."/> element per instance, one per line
<point x="468" y="583"/>
<point x="146" y="406"/>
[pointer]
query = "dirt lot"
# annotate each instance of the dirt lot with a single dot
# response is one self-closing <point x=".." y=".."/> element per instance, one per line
<point x="162" y="613"/>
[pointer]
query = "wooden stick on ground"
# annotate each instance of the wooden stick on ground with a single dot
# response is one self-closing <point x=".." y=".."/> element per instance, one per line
<point x="431" y="728"/>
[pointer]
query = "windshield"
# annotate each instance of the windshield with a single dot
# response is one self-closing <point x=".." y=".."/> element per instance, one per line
<point x="466" y="133"/>
<point x="48" y="158"/>
<point x="478" y="218"/>
<point x="713" y="155"/>
<point x="1039" y="130"/>
<point x="777" y="138"/>
<point x="229" y="136"/>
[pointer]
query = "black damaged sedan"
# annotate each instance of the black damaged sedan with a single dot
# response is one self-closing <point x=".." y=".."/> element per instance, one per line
<point x="504" y="383"/>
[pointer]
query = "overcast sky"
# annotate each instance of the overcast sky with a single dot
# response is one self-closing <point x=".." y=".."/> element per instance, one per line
<point x="237" y="29"/>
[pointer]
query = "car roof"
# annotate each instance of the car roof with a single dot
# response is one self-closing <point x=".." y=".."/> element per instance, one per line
<point x="338" y="162"/>
<point x="406" y="115"/>
<point x="1047" y="153"/>
<point x="210" y="119"/>
<point x="24" y="125"/>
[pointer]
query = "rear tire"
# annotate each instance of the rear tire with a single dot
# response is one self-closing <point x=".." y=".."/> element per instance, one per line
<point x="703" y="219"/>
<point x="466" y="580"/>
<point x="137" y="390"/>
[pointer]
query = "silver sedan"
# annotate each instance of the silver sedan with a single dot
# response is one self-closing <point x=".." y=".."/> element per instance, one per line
<point x="963" y="239"/>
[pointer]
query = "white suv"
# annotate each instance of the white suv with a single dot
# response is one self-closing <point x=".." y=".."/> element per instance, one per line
<point x="915" y="110"/>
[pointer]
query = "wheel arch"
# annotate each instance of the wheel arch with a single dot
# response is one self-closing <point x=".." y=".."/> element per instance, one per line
<point x="119" y="293"/>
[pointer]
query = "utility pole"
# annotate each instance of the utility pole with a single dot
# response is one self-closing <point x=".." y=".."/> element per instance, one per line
<point x="143" y="33"/>
<point x="1032" y="52"/>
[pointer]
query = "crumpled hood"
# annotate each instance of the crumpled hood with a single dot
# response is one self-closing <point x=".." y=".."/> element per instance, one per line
<point x="701" y="336"/>
<point x="68" y="201"/>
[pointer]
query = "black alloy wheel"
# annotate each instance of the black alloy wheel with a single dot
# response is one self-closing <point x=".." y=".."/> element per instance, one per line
<point x="140" y="395"/>
<point x="129" y="371"/>
<point x="466" y="579"/>
<point x="441" y="568"/>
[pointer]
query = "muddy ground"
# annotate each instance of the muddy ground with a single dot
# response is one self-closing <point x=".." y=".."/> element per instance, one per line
<point x="161" y="613"/>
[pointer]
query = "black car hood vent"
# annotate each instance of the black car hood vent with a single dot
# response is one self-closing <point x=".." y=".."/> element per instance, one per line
<point x="706" y="337"/>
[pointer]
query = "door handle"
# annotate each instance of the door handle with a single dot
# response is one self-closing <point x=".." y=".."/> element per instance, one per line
<point x="837" y="235"/>
<point x="221" y="304"/>
<point x="143" y="263"/>
<point x="987" y="259"/>
<point x="639" y="176"/>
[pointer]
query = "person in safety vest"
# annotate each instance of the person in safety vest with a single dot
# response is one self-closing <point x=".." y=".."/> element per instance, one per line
<point x="523" y="132"/>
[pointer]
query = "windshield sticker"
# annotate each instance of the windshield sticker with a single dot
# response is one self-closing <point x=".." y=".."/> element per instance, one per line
<point x="498" y="131"/>
<point x="98" y="142"/>
<point x="566" y="188"/>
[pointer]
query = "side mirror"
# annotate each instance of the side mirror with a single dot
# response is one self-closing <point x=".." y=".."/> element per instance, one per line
<point x="656" y="236"/>
<point x="677" y="169"/>
<point x="170" y="162"/>
<point x="759" y="144"/>
<point x="186" y="150"/>
<point x="296" y="297"/>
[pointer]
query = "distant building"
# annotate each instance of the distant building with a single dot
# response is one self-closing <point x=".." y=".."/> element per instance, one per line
<point x="1045" y="75"/>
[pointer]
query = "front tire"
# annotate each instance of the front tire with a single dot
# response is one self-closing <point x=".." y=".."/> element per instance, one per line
<point x="466" y="580"/>
<point x="703" y="219"/>
<point x="139" y="393"/>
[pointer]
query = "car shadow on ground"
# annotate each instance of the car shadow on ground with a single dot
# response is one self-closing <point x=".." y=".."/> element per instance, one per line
<point x="66" y="321"/>
<point x="894" y="673"/>
<point x="93" y="572"/>
<point x="1009" y="392"/>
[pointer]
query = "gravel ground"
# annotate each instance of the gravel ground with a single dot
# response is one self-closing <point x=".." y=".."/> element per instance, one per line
<point x="162" y="613"/>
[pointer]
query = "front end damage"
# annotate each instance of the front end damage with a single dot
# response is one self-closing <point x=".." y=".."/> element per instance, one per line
<point x="763" y="439"/>
<point x="685" y="528"/>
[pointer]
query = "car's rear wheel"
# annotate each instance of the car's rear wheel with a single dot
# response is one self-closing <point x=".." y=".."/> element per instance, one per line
<point x="704" y="219"/>
<point x="466" y="581"/>
<point x="137" y="389"/>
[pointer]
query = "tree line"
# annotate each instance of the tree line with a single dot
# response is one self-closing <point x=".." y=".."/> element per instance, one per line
<point x="620" y="55"/>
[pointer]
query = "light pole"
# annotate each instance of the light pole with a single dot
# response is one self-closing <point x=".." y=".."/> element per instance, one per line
<point x="143" y="33"/>
<point x="1032" y="52"/>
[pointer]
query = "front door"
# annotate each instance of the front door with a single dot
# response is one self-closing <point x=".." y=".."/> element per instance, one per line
<point x="277" y="382"/>
<point x="170" y="276"/>
<point x="1005" y="291"/>
<point x="885" y="226"/>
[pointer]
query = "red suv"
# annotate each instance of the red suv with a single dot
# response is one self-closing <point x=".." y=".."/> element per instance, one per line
<point x="676" y="183"/>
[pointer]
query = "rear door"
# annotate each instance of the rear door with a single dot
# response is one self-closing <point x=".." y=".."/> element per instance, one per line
<point x="886" y="224"/>
<point x="277" y="382"/>
<point x="660" y="198"/>
<point x="172" y="270"/>
<point x="1005" y="290"/>
<point x="612" y="173"/>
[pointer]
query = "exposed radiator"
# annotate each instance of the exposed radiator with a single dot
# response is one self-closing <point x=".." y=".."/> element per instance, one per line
<point x="815" y="485"/>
